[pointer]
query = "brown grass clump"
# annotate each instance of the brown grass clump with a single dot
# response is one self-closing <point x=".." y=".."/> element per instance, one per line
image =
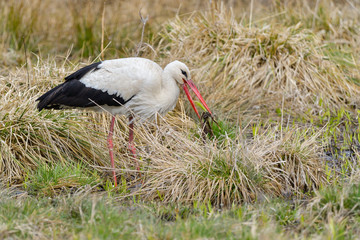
<point x="258" y="69"/>
<point x="274" y="163"/>
<point x="29" y="138"/>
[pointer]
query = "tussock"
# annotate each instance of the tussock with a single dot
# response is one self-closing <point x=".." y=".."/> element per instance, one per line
<point x="271" y="164"/>
<point x="30" y="139"/>
<point x="259" y="69"/>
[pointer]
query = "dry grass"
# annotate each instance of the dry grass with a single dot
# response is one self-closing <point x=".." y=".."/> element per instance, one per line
<point x="273" y="163"/>
<point x="30" y="138"/>
<point x="259" y="78"/>
<point x="54" y="27"/>
<point x="259" y="69"/>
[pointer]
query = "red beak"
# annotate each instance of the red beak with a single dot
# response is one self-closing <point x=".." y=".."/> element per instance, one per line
<point x="197" y="93"/>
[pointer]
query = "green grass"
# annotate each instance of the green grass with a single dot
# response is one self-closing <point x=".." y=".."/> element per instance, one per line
<point x="49" y="180"/>
<point x="84" y="215"/>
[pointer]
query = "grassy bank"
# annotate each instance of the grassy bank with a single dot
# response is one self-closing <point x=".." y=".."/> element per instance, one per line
<point x="333" y="213"/>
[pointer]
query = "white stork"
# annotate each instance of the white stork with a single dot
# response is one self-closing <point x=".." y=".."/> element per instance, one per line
<point x="127" y="86"/>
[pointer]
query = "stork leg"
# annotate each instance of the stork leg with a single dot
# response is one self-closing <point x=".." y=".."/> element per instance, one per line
<point x="111" y="146"/>
<point x="131" y="141"/>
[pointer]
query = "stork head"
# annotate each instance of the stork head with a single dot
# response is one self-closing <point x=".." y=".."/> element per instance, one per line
<point x="181" y="73"/>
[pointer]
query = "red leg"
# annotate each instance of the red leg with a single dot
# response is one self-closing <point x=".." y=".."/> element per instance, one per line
<point x="111" y="146"/>
<point x="131" y="141"/>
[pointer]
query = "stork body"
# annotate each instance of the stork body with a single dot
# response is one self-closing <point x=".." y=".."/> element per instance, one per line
<point x="129" y="86"/>
<point x="124" y="86"/>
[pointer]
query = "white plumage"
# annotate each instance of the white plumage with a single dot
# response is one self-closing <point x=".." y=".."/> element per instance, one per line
<point x="153" y="90"/>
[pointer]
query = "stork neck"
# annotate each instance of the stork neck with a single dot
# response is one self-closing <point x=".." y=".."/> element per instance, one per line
<point x="168" y="83"/>
<point x="169" y="93"/>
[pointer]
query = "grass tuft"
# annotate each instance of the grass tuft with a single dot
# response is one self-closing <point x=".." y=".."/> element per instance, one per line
<point x="50" y="180"/>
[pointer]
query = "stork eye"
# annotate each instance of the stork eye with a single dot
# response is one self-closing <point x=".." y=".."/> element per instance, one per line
<point x="184" y="73"/>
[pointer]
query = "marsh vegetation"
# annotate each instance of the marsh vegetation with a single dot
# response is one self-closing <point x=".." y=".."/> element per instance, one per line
<point x="282" y="78"/>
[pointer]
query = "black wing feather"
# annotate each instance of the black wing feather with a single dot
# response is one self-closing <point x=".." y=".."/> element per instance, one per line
<point x="73" y="93"/>
<point x="82" y="71"/>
